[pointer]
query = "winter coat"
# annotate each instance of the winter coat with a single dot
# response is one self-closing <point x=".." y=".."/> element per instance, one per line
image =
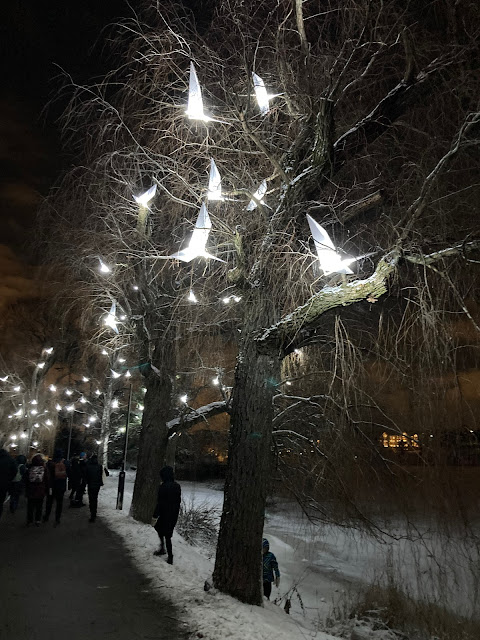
<point x="57" y="483"/>
<point x="270" y="566"/>
<point x="36" y="490"/>
<point x="8" y="469"/>
<point x="94" y="475"/>
<point x="168" y="505"/>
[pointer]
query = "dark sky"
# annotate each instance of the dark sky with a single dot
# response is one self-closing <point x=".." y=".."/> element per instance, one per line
<point x="35" y="36"/>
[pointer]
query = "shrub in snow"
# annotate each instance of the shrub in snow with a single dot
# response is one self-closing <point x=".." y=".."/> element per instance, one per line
<point x="198" y="523"/>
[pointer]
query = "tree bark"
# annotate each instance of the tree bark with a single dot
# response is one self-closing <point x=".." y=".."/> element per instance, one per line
<point x="154" y="434"/>
<point x="238" y="566"/>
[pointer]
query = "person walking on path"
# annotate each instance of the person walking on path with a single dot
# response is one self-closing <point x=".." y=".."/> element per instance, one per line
<point x="94" y="480"/>
<point x="8" y="470"/>
<point x="36" y="488"/>
<point x="166" y="512"/>
<point x="17" y="483"/>
<point x="57" y="478"/>
<point x="270" y="567"/>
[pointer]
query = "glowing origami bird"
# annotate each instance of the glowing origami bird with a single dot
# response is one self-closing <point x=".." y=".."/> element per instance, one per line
<point x="110" y="319"/>
<point x="261" y="94"/>
<point x="195" y="101"/>
<point x="258" y="197"/>
<point x="103" y="267"/>
<point x="198" y="241"/>
<point x="214" y="183"/>
<point x="330" y="261"/>
<point x="144" y="198"/>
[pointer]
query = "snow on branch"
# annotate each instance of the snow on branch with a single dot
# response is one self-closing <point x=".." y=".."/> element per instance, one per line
<point x="430" y="258"/>
<point x="301" y="319"/>
<point x="197" y="415"/>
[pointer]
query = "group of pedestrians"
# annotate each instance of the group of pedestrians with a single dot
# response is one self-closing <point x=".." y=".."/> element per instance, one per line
<point x="49" y="480"/>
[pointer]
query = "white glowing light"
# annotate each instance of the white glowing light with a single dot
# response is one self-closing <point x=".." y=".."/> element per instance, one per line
<point x="85" y="379"/>
<point x="48" y="423"/>
<point x="71" y="407"/>
<point x="288" y="383"/>
<point x="103" y="267"/>
<point x="198" y="240"/>
<point x="83" y="400"/>
<point x="40" y="365"/>
<point x="115" y="374"/>
<point x="144" y="390"/>
<point x="92" y="419"/>
<point x="115" y="403"/>
<point x="216" y="381"/>
<point x="98" y="392"/>
<point x="121" y="430"/>
<point x="37" y="425"/>
<point x="17" y="388"/>
<point x="33" y="402"/>
<point x="258" y="197"/>
<point x="261" y="94"/>
<point x="144" y="198"/>
<point x="4" y="379"/>
<point x="195" y="101"/>
<point x="128" y="374"/>
<point x="104" y="352"/>
<point x="98" y="441"/>
<point x="135" y="287"/>
<point x="226" y="300"/>
<point x="214" y="183"/>
<point x="298" y="352"/>
<point x="123" y="317"/>
<point x="10" y="416"/>
<point x="140" y="407"/>
<point x="330" y="261"/>
<point x="13" y="436"/>
<point x="237" y="298"/>
<point x="34" y="412"/>
<point x="192" y="297"/>
<point x="35" y="443"/>
<point x="110" y="320"/>
<point x="49" y="350"/>
<point x="121" y="360"/>
<point x="184" y="398"/>
<point x="23" y="436"/>
<point x="58" y="407"/>
<point x="68" y="392"/>
<point x="52" y="388"/>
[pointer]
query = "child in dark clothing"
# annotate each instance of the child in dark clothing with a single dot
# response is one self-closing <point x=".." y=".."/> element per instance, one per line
<point x="270" y="567"/>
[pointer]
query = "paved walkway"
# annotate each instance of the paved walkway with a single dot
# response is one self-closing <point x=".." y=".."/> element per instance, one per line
<point x="75" y="582"/>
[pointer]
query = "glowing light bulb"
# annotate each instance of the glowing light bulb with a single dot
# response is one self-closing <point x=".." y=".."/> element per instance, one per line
<point x="48" y="423"/>
<point x="216" y="381"/>
<point x="17" y="388"/>
<point x="34" y="412"/>
<point x="135" y="287"/>
<point x="33" y="402"/>
<point x="128" y="374"/>
<point x="192" y="297"/>
<point x="98" y="441"/>
<point x="115" y="374"/>
<point x="115" y="404"/>
<point x="123" y="317"/>
<point x="52" y="388"/>
<point x="68" y="392"/>
<point x="98" y="392"/>
<point x="225" y="300"/>
<point x="70" y="408"/>
<point x="121" y="360"/>
<point x="92" y="419"/>
<point x="49" y="350"/>
<point x="40" y="365"/>
<point x="13" y="436"/>
<point x="23" y="436"/>
<point x="83" y="400"/>
<point x="35" y="443"/>
<point x="237" y="298"/>
<point x="140" y="407"/>
<point x="36" y="425"/>
<point x="58" y="407"/>
<point x="85" y="379"/>
<point x="104" y="352"/>
<point x="184" y="398"/>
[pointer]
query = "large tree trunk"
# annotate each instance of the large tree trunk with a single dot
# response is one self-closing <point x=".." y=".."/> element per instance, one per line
<point x="154" y="434"/>
<point x="238" y="566"/>
<point x="105" y="425"/>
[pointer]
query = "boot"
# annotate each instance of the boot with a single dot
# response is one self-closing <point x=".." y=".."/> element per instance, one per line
<point x="170" y="560"/>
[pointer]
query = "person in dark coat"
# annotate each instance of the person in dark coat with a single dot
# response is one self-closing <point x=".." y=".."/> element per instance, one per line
<point x="77" y="480"/>
<point x="36" y="488"/>
<point x="8" y="471"/>
<point x="166" y="512"/>
<point x="17" y="484"/>
<point x="57" y="477"/>
<point x="271" y="572"/>
<point x="94" y="480"/>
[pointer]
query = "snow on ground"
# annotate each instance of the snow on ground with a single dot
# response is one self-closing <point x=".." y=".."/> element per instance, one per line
<point x="213" y="615"/>
<point x="322" y="568"/>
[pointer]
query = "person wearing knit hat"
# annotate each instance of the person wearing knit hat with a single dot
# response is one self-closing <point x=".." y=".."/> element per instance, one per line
<point x="271" y="572"/>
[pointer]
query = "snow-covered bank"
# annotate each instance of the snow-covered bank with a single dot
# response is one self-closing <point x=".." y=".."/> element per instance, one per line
<point x="210" y="615"/>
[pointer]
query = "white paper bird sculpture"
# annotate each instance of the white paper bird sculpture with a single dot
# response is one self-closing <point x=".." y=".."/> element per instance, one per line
<point x="330" y="261"/>
<point x="110" y="319"/>
<point x="259" y="193"/>
<point x="144" y="198"/>
<point x="214" y="183"/>
<point x="198" y="241"/>
<point x="195" y="101"/>
<point x="263" y="98"/>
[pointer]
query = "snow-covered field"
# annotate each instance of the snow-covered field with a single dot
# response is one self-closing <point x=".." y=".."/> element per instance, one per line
<point x="321" y="568"/>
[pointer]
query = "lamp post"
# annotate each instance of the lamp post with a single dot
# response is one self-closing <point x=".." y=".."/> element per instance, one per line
<point x="70" y="436"/>
<point x="121" y="475"/>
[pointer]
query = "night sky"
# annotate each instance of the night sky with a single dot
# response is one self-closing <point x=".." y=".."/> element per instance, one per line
<point x="39" y="38"/>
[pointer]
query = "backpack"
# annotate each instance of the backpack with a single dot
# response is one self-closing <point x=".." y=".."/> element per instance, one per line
<point x="36" y="474"/>
<point x="60" y="470"/>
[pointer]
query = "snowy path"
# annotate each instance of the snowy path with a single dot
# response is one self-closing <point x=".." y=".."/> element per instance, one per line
<point x="76" y="581"/>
